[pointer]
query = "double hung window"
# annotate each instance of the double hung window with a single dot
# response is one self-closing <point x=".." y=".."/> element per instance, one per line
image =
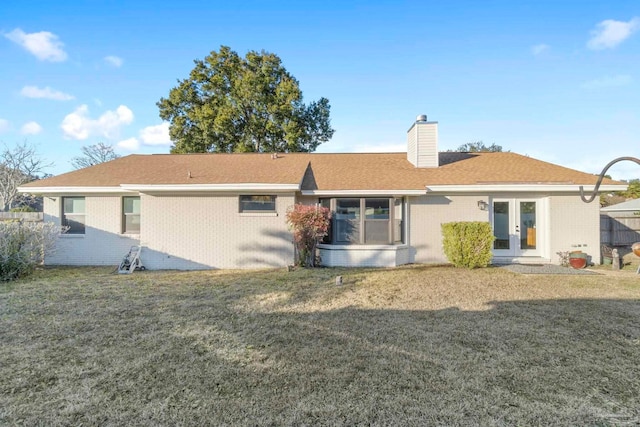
<point x="73" y="214"/>
<point x="131" y="215"/>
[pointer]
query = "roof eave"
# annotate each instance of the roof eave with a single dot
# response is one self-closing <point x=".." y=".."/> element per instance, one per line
<point x="534" y="188"/>
<point x="396" y="192"/>
<point x="262" y="187"/>
<point x="71" y="190"/>
<point x="159" y="188"/>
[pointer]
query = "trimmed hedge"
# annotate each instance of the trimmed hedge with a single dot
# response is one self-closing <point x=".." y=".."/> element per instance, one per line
<point x="468" y="244"/>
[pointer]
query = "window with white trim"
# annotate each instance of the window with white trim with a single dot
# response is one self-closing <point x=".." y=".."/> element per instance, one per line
<point x="258" y="204"/>
<point x="131" y="215"/>
<point x="366" y="220"/>
<point x="73" y="214"/>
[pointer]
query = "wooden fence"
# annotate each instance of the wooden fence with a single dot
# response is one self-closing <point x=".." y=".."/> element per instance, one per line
<point x="621" y="230"/>
<point x="25" y="216"/>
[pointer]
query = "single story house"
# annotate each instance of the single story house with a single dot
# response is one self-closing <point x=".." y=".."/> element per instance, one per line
<point x="201" y="211"/>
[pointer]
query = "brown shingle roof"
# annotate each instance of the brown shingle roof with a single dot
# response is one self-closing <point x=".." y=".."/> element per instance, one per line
<point x="342" y="171"/>
<point x="357" y="171"/>
<point x="175" y="169"/>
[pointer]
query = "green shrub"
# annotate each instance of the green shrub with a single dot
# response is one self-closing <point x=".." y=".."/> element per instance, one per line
<point x="468" y="244"/>
<point x="24" y="245"/>
<point x="23" y="208"/>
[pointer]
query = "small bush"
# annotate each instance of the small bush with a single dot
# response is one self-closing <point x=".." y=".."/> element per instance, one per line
<point x="468" y="244"/>
<point x="23" y="246"/>
<point x="309" y="224"/>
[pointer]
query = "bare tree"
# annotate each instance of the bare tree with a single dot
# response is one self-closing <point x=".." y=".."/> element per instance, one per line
<point x="18" y="166"/>
<point x="94" y="155"/>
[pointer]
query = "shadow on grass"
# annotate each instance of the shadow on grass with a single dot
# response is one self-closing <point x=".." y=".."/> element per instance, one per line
<point x="143" y="350"/>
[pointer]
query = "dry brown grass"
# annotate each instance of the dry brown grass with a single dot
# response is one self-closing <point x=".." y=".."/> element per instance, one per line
<point x="411" y="346"/>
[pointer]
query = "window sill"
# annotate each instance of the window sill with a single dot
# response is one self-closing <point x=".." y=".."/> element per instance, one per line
<point x="130" y="235"/>
<point x="258" y="213"/>
<point x="357" y="247"/>
<point x="72" y="236"/>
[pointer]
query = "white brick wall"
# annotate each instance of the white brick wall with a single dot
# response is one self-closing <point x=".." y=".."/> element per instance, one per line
<point x="575" y="225"/>
<point x="206" y="231"/>
<point x="102" y="244"/>
<point x="427" y="213"/>
<point x="307" y="200"/>
<point x="363" y="256"/>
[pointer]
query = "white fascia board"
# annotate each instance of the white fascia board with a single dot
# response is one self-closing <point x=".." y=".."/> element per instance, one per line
<point x="71" y="190"/>
<point x="363" y="192"/>
<point x="210" y="187"/>
<point x="535" y="188"/>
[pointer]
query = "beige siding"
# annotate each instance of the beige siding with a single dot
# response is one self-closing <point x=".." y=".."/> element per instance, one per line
<point x="422" y="145"/>
<point x="412" y="146"/>
<point x="205" y="231"/>
<point x="427" y="141"/>
<point x="427" y="213"/>
<point x="102" y="244"/>
<point x="575" y="225"/>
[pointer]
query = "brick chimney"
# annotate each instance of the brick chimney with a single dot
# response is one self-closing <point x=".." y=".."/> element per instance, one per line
<point x="422" y="143"/>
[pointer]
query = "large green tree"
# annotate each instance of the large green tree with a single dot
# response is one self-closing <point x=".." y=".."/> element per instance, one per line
<point x="633" y="192"/>
<point x="250" y="104"/>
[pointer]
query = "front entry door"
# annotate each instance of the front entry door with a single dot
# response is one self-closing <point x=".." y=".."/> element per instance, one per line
<point x="515" y="223"/>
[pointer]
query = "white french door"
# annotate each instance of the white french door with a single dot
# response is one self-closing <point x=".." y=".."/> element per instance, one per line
<point x="515" y="227"/>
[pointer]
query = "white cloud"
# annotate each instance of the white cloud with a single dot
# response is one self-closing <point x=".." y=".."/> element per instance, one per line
<point x="114" y="61"/>
<point x="539" y="48"/>
<point x="130" y="144"/>
<point x="156" y="135"/>
<point x="150" y="136"/>
<point x="608" y="81"/>
<point x="4" y="125"/>
<point x="31" y="128"/>
<point x="44" y="45"/>
<point x="46" y="93"/>
<point x="78" y="125"/>
<point x="610" y="33"/>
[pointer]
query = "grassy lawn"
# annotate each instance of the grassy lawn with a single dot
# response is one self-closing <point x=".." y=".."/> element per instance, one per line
<point x="412" y="346"/>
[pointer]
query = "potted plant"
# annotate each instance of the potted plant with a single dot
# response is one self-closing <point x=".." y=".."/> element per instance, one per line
<point x="578" y="259"/>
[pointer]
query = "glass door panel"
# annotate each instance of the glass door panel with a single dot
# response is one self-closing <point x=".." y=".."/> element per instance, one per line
<point x="527" y="225"/>
<point x="515" y="225"/>
<point x="501" y="226"/>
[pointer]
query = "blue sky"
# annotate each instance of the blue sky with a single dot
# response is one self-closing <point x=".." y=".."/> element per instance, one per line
<point x="554" y="80"/>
